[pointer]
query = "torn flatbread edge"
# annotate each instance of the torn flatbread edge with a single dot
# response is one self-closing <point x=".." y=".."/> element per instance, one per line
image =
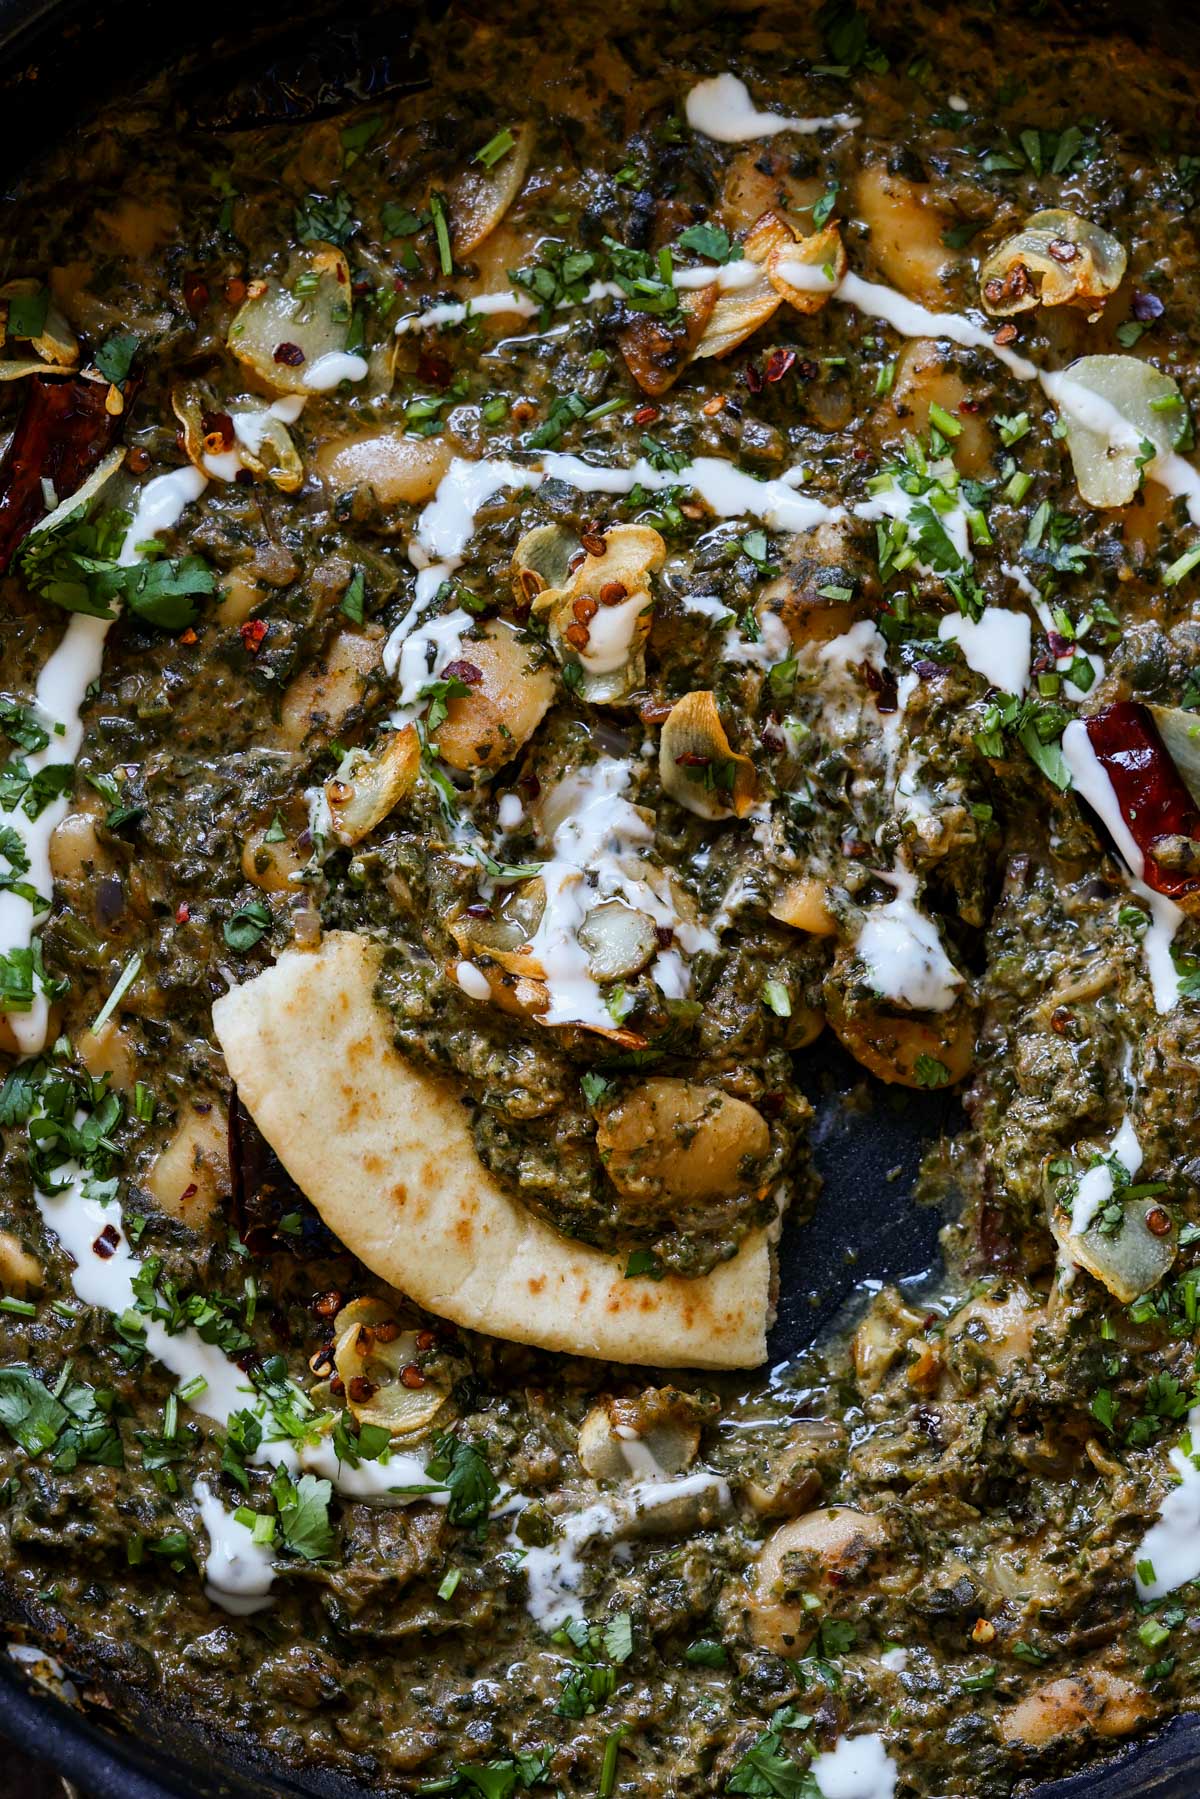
<point x="384" y="1151"/>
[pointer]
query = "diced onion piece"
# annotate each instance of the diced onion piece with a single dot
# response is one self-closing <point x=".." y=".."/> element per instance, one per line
<point x="672" y="1139"/>
<point x="805" y="274"/>
<point x="480" y="197"/>
<point x="1056" y="257"/>
<point x="698" y="766"/>
<point x="371" y="1362"/>
<point x="541" y="561"/>
<point x="489" y="724"/>
<point x="277" y="325"/>
<point x="740" y="312"/>
<point x="1129" y="1263"/>
<point x="618" y="941"/>
<point x="361" y="798"/>
<point x="1107" y="402"/>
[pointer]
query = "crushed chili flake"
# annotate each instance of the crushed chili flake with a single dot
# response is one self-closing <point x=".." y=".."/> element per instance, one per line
<point x="467" y="672"/>
<point x="778" y="364"/>
<point x="182" y="912"/>
<point x="106" y="1243"/>
<point x="195" y="293"/>
<point x="291" y="354"/>
<point x="188" y="636"/>
<point x="646" y="415"/>
<point x="252" y="634"/>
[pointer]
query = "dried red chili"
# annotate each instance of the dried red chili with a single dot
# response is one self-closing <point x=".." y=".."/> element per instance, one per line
<point x="1149" y="789"/>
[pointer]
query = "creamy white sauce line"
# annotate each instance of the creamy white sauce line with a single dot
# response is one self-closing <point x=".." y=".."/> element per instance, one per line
<point x="555" y="1571"/>
<point x="1171" y="1546"/>
<point x="237" y="1571"/>
<point x="1090" y="778"/>
<point x="105" y="1281"/>
<point x="721" y="108"/>
<point x="58" y="699"/>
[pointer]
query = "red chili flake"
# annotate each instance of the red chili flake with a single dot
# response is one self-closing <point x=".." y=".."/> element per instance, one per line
<point x="1061" y="1020"/>
<point x="182" y="912"/>
<point x="693" y="759"/>
<point x="190" y="1191"/>
<point x="195" y="293"/>
<point x="778" y="364"/>
<point x="106" y="1242"/>
<point x="1149" y="789"/>
<point x="752" y="376"/>
<point x="359" y="288"/>
<point x="477" y="909"/>
<point x="188" y="636"/>
<point x="218" y="432"/>
<point x="466" y="672"/>
<point x="969" y="405"/>
<point x="252" y="634"/>
<point x="435" y="368"/>
<point x="646" y="415"/>
<point x="772" y="738"/>
<point x="1059" y="645"/>
<point x="291" y="354"/>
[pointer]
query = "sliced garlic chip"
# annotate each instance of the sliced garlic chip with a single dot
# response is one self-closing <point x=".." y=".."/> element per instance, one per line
<point x="697" y="764"/>
<point x="740" y="312"/>
<point x="287" y="328"/>
<point x="805" y="274"/>
<point x="365" y="790"/>
<point x="375" y="1358"/>
<point x="1114" y="407"/>
<point x="1056" y="257"/>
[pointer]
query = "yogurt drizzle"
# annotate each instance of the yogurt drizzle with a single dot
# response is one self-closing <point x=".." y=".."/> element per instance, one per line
<point x="58" y="700"/>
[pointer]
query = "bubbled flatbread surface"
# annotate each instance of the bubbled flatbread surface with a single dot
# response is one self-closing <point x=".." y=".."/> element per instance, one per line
<point x="383" y="1149"/>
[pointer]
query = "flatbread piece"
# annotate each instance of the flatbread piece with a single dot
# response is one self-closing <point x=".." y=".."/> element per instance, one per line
<point x="384" y="1151"/>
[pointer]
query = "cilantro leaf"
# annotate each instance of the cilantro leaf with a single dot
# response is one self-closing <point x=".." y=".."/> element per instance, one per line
<point x="115" y="356"/>
<point x="326" y="219"/>
<point x="247" y="926"/>
<point x="304" y="1514"/>
<point x="710" y="241"/>
<point x="463" y="1469"/>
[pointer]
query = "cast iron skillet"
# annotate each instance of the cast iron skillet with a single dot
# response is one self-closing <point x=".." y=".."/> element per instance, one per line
<point x="57" y="59"/>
